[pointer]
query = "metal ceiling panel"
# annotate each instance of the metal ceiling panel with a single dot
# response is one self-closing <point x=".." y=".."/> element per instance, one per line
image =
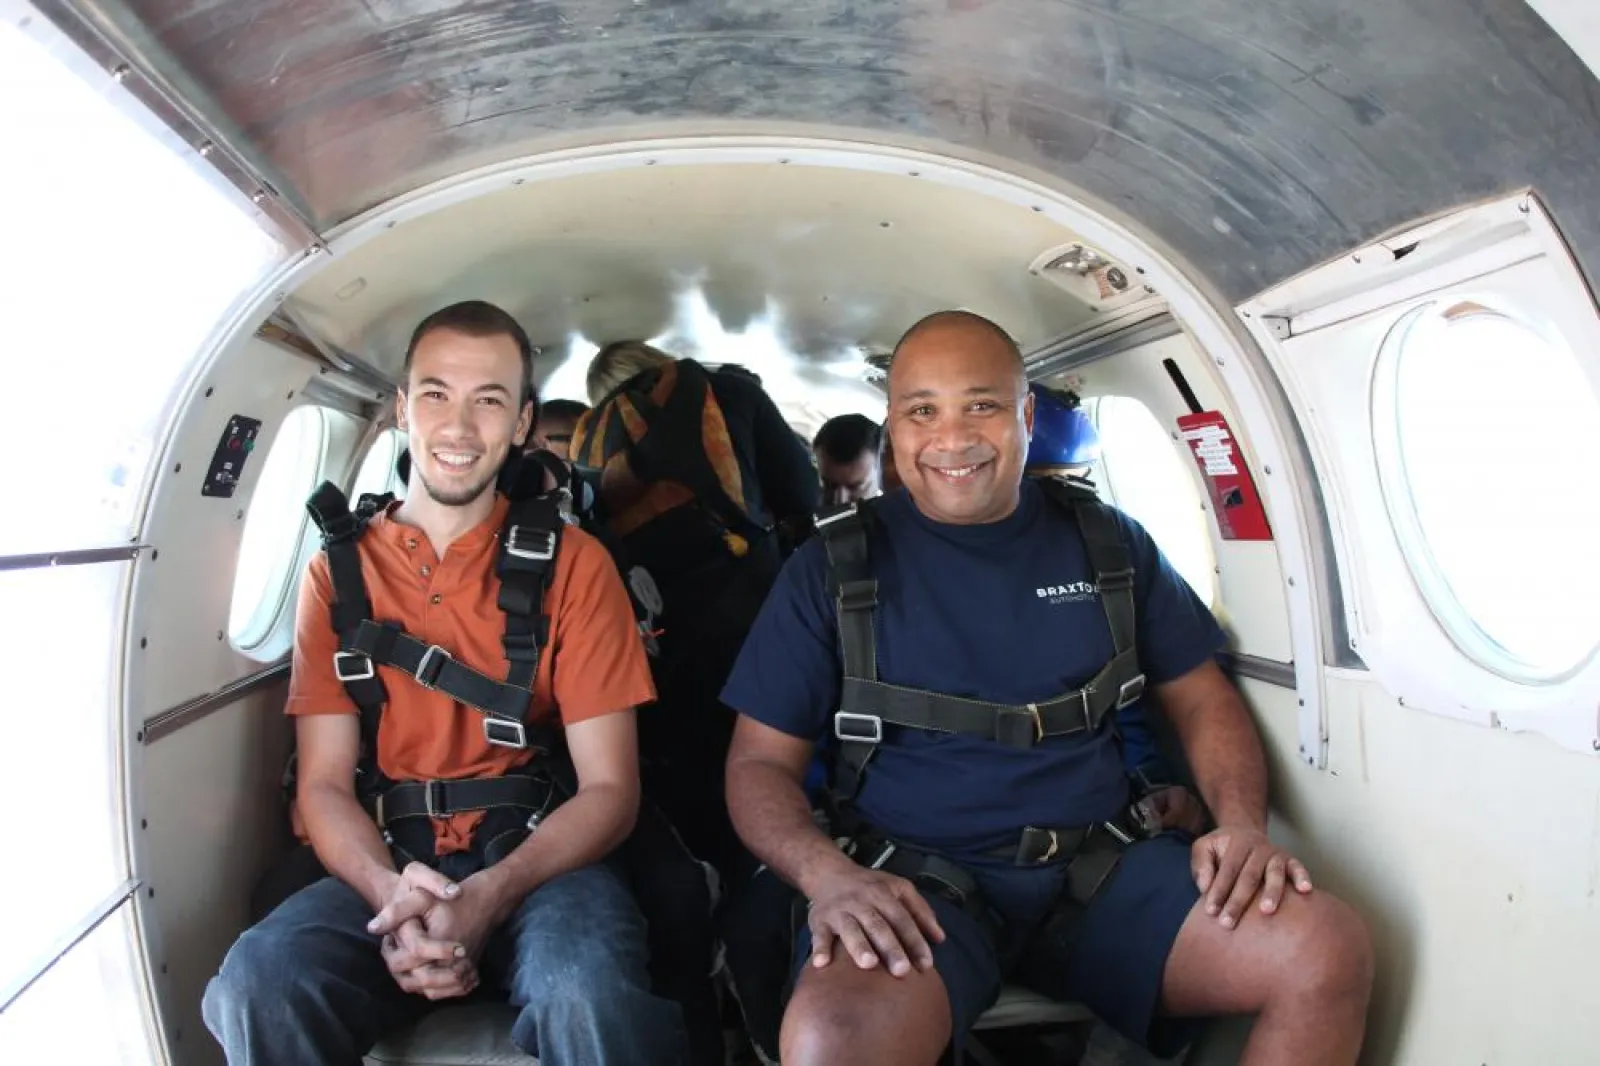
<point x="1255" y="139"/>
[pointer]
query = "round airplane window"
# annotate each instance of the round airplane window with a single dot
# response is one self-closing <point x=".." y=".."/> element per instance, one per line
<point x="274" y="529"/>
<point x="1488" y="447"/>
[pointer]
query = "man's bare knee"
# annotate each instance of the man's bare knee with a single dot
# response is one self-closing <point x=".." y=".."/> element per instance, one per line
<point x="819" y="1031"/>
<point x="849" y="1017"/>
<point x="1331" y="955"/>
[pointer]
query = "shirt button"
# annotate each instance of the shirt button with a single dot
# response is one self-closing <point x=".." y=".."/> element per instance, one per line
<point x="436" y="599"/>
<point x="412" y="544"/>
<point x="426" y="570"/>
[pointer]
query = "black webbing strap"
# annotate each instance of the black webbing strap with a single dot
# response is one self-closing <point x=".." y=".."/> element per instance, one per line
<point x="440" y="799"/>
<point x="431" y="666"/>
<point x="341" y="535"/>
<point x="529" y="543"/>
<point x="1108" y="556"/>
<point x="927" y="870"/>
<point x="865" y="706"/>
<point x="844" y="536"/>
<point x="1090" y="869"/>
<point x="1039" y="846"/>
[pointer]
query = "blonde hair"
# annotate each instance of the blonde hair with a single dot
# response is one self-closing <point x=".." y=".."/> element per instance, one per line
<point x="619" y="361"/>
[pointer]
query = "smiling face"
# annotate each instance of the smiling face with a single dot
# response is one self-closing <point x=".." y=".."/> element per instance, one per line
<point x="960" y="415"/>
<point x="462" y="409"/>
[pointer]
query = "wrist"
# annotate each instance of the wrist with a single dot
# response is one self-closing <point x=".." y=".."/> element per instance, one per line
<point x="382" y="886"/>
<point x="500" y="894"/>
<point x="1241" y="816"/>
<point x="826" y="867"/>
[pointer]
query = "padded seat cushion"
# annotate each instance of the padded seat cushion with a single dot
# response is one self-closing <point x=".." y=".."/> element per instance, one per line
<point x="479" y="1034"/>
<point x="1019" y="1006"/>
<point x="472" y="1034"/>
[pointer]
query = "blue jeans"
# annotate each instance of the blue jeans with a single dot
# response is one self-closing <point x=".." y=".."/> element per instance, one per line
<point x="308" y="986"/>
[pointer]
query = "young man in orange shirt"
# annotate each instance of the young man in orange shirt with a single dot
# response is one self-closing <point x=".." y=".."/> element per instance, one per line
<point x="550" y="921"/>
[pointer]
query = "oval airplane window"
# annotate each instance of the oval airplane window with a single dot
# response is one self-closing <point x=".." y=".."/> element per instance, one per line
<point x="1145" y="477"/>
<point x="1487" y="433"/>
<point x="275" y="528"/>
<point x="377" y="474"/>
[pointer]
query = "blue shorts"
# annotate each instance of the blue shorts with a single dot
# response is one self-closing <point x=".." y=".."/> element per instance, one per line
<point x="1119" y="956"/>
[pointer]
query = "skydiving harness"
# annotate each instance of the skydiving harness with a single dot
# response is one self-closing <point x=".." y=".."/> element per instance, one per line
<point x="578" y="503"/>
<point x="867" y="705"/>
<point x="528" y="543"/>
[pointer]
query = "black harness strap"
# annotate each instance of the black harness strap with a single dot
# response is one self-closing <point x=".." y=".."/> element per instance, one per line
<point x="1108" y="555"/>
<point x="440" y="799"/>
<point x="529" y="543"/>
<point x="341" y="535"/>
<point x="866" y="704"/>
<point x="855" y="590"/>
<point x="928" y="870"/>
<point x="1079" y="711"/>
<point x="386" y="644"/>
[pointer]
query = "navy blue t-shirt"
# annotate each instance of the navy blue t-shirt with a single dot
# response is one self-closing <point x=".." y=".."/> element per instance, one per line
<point x="1002" y="612"/>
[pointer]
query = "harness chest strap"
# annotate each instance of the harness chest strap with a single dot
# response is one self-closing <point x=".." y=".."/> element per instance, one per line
<point x="528" y="544"/>
<point x="866" y="703"/>
<point x="1117" y="685"/>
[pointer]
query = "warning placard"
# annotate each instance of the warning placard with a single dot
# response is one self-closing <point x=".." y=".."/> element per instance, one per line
<point x="1234" y="501"/>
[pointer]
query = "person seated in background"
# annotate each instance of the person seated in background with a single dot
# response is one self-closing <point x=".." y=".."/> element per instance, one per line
<point x="847" y="449"/>
<point x="696" y="471"/>
<point x="552" y="429"/>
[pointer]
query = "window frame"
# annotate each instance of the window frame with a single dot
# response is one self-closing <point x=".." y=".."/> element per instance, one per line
<point x="266" y="620"/>
<point x="1434" y="583"/>
<point x="116" y="932"/>
<point x="1323" y="333"/>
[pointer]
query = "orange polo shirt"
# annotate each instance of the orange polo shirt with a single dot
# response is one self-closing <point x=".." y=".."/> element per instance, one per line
<point x="594" y="663"/>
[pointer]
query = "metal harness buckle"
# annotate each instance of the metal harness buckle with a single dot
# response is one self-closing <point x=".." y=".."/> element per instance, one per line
<point x="871" y="720"/>
<point x="434" y="806"/>
<point x="428" y="667"/>
<point x="1054" y="849"/>
<point x="362" y="673"/>
<point x="1130" y="691"/>
<point x="514" y="545"/>
<point x="831" y="519"/>
<point x="1117" y="832"/>
<point x="505" y="733"/>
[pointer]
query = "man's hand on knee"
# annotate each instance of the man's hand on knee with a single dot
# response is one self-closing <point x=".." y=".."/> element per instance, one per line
<point x="1232" y="866"/>
<point x="873" y="915"/>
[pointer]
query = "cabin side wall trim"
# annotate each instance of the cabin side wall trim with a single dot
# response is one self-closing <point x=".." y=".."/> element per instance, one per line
<point x="170" y="721"/>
